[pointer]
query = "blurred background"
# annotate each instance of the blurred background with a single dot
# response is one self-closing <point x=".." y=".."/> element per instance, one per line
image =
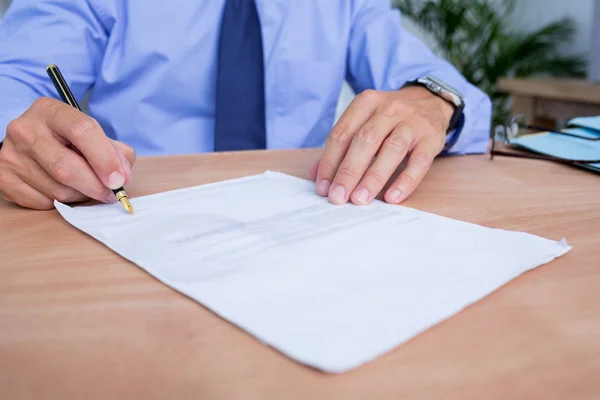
<point x="492" y="39"/>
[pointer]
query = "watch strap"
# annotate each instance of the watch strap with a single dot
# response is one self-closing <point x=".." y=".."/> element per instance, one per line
<point x="458" y="113"/>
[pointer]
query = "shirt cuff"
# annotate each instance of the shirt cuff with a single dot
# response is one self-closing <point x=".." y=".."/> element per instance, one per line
<point x="472" y="134"/>
<point x="453" y="135"/>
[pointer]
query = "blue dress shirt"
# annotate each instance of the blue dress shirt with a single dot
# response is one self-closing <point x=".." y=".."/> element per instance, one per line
<point x="150" y="67"/>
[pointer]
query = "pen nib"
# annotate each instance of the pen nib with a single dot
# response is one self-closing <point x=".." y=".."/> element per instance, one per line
<point x="124" y="200"/>
<point x="126" y="204"/>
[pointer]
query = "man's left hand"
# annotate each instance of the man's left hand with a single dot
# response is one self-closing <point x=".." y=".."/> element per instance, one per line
<point x="373" y="136"/>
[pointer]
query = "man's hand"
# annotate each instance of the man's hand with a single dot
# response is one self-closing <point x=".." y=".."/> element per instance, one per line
<point x="54" y="151"/>
<point x="373" y="136"/>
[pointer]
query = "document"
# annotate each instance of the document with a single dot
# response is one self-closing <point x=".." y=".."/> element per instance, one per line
<point x="330" y="286"/>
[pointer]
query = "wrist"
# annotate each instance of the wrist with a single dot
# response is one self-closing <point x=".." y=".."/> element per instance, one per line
<point x="445" y="108"/>
<point x="446" y="93"/>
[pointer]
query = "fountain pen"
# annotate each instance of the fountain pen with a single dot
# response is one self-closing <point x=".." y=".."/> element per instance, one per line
<point x="67" y="96"/>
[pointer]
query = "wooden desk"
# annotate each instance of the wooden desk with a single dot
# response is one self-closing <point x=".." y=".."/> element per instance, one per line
<point x="545" y="101"/>
<point x="77" y="321"/>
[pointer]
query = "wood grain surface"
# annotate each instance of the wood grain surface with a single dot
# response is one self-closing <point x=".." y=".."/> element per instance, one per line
<point x="79" y="322"/>
<point x="578" y="90"/>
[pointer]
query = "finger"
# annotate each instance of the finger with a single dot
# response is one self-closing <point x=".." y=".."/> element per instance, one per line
<point x="127" y="168"/>
<point x="338" y="141"/>
<point x="127" y="151"/>
<point x="359" y="156"/>
<point x="68" y="168"/>
<point x="19" y="192"/>
<point x="35" y="176"/>
<point x="389" y="157"/>
<point x="312" y="175"/>
<point x="419" y="161"/>
<point x="86" y="134"/>
<point x="127" y="157"/>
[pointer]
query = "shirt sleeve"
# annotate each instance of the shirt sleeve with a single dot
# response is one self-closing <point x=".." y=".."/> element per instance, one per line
<point x="37" y="33"/>
<point x="383" y="55"/>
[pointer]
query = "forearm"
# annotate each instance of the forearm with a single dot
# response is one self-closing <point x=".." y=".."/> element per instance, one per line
<point x="473" y="132"/>
<point x="36" y="33"/>
<point x="383" y="55"/>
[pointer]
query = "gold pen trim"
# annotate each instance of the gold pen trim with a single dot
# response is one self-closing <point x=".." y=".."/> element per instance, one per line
<point x="124" y="200"/>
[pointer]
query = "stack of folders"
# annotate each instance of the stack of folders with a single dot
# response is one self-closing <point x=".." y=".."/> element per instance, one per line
<point x="567" y="147"/>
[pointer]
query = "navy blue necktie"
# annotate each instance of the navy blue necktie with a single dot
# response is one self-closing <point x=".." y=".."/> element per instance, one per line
<point x="240" y="101"/>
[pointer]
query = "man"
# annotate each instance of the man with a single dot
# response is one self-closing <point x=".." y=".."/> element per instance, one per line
<point x="178" y="77"/>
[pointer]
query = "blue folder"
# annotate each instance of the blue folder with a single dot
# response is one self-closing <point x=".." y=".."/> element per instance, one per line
<point x="557" y="145"/>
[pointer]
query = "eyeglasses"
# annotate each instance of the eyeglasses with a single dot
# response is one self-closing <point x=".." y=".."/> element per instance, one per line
<point x="515" y="127"/>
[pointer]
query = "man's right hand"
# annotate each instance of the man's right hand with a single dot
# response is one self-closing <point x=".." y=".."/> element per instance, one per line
<point x="54" y="151"/>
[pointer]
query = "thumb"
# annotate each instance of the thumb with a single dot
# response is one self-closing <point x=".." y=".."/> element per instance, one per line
<point x="127" y="157"/>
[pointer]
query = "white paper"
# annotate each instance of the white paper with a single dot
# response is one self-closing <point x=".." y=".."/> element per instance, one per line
<point x="329" y="286"/>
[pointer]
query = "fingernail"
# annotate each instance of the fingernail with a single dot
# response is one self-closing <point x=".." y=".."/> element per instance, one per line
<point x="338" y="194"/>
<point x="115" y="180"/>
<point x="394" y="195"/>
<point x="361" y="196"/>
<point x="323" y="187"/>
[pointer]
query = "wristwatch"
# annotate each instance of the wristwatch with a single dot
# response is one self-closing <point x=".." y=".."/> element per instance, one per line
<point x="446" y="92"/>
